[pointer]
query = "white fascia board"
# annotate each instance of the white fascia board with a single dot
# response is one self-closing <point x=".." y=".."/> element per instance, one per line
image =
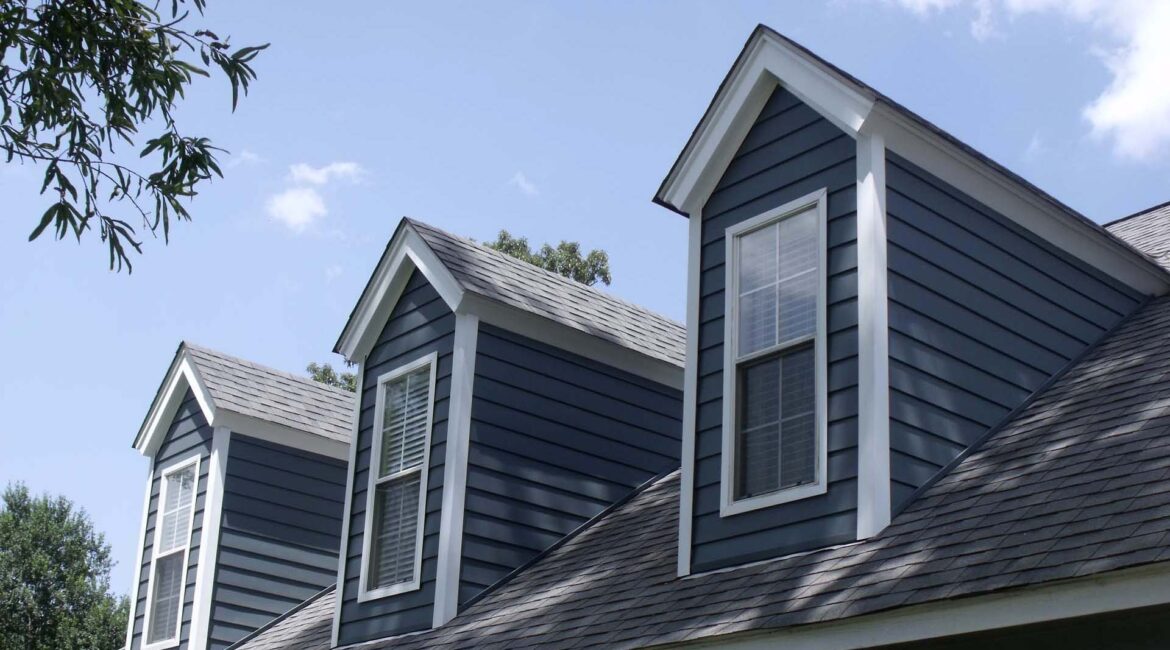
<point x="180" y="376"/>
<point x="253" y="427"/>
<point x="686" y="504"/>
<point x="455" y="469"/>
<point x="765" y="62"/>
<point x="209" y="542"/>
<point x="1021" y="205"/>
<point x="873" y="463"/>
<point x="1101" y="594"/>
<point x="572" y="340"/>
<point x="342" y="551"/>
<point x="406" y="253"/>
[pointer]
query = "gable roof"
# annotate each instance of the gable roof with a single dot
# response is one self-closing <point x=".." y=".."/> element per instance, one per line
<point x="1076" y="485"/>
<point x="1148" y="231"/>
<point x="459" y="266"/>
<point x="770" y="58"/>
<point x="233" y="391"/>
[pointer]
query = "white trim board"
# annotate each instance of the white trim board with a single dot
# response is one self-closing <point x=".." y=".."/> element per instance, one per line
<point x="686" y="505"/>
<point x="769" y="59"/>
<point x="455" y="469"/>
<point x="873" y="362"/>
<point x="137" y="584"/>
<point x="342" y="551"/>
<point x="1104" y="593"/>
<point x="209" y="538"/>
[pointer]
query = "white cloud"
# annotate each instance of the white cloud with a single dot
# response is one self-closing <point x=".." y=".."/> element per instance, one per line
<point x="305" y="173"/>
<point x="245" y="157"/>
<point x="1133" y="111"/>
<point x="523" y="184"/>
<point x="333" y="271"/>
<point x="297" y="208"/>
<point x="1035" y="149"/>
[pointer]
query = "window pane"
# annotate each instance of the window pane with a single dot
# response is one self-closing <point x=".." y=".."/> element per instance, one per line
<point x="776" y="422"/>
<point x="165" y="608"/>
<point x="404" y="421"/>
<point x="757" y="320"/>
<point x="798" y="276"/>
<point x="759" y="421"/>
<point x="757" y="255"/>
<point x="175" y="524"/>
<point x="395" y="530"/>
<point x="797" y="424"/>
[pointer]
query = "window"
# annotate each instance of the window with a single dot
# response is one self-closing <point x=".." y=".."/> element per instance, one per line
<point x="774" y="442"/>
<point x="174" y="519"/>
<point x="392" y="552"/>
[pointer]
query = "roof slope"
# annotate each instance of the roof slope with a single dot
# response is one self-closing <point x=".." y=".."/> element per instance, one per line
<point x="505" y="279"/>
<point x="272" y="395"/>
<point x="1077" y="484"/>
<point x="1148" y="231"/>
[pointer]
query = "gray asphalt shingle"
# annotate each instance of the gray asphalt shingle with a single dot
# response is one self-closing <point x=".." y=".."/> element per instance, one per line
<point x="1147" y="231"/>
<point x="271" y="395"/>
<point x="507" y="280"/>
<point x="1077" y="484"/>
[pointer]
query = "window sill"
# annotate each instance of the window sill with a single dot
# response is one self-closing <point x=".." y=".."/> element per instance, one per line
<point x="386" y="592"/>
<point x="731" y="508"/>
<point x="161" y="645"/>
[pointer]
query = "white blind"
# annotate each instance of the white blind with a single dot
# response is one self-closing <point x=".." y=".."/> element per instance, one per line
<point x="777" y="276"/>
<point x="397" y="493"/>
<point x="171" y="539"/>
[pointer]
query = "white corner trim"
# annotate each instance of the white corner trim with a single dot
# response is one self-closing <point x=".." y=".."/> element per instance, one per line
<point x="1110" y="592"/>
<point x="873" y="401"/>
<point x="728" y="504"/>
<point x="365" y="593"/>
<point x="343" y="551"/>
<point x="765" y="62"/>
<point x="455" y="469"/>
<point x="180" y="376"/>
<point x="170" y="468"/>
<point x="209" y="540"/>
<point x="137" y="584"/>
<point x="405" y="253"/>
<point x="686" y="506"/>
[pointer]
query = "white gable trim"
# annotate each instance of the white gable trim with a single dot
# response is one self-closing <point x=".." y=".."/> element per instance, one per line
<point x="182" y="375"/>
<point x="1111" y="592"/>
<point x="406" y="252"/>
<point x="768" y="60"/>
<point x="765" y="62"/>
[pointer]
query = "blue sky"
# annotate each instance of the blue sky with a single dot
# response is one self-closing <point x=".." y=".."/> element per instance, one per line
<point x="553" y="120"/>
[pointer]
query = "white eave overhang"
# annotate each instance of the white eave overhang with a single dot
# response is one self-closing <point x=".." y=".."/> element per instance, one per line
<point x="769" y="59"/>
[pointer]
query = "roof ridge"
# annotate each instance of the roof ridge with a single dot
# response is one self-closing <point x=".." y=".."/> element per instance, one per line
<point x="1139" y="213"/>
<point x="307" y="381"/>
<point x="552" y="275"/>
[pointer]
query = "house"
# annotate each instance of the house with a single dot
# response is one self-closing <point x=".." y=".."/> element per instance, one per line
<point x="241" y="516"/>
<point x="919" y="403"/>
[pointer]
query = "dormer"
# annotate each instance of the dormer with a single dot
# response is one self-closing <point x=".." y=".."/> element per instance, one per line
<point x="241" y="515"/>
<point x="500" y="408"/>
<point x="867" y="299"/>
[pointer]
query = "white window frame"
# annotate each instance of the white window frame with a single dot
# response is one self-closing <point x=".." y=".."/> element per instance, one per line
<point x="365" y="594"/>
<point x="177" y="466"/>
<point x="729" y="505"/>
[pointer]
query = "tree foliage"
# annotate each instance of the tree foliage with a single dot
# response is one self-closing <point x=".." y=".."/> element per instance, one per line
<point x="566" y="259"/>
<point x="55" y="578"/>
<point x="78" y="79"/>
<point x="325" y="374"/>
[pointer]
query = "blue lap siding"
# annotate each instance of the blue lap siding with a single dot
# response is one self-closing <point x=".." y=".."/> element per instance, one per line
<point x="188" y="436"/>
<point x="555" y="438"/>
<point x="789" y="152"/>
<point x="279" y="535"/>
<point x="419" y="324"/>
<point x="981" y="314"/>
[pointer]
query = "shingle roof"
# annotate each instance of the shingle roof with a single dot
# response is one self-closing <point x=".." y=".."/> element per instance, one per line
<point x="1077" y="484"/>
<point x="284" y="398"/>
<point x="1148" y="231"/>
<point x="505" y="279"/>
